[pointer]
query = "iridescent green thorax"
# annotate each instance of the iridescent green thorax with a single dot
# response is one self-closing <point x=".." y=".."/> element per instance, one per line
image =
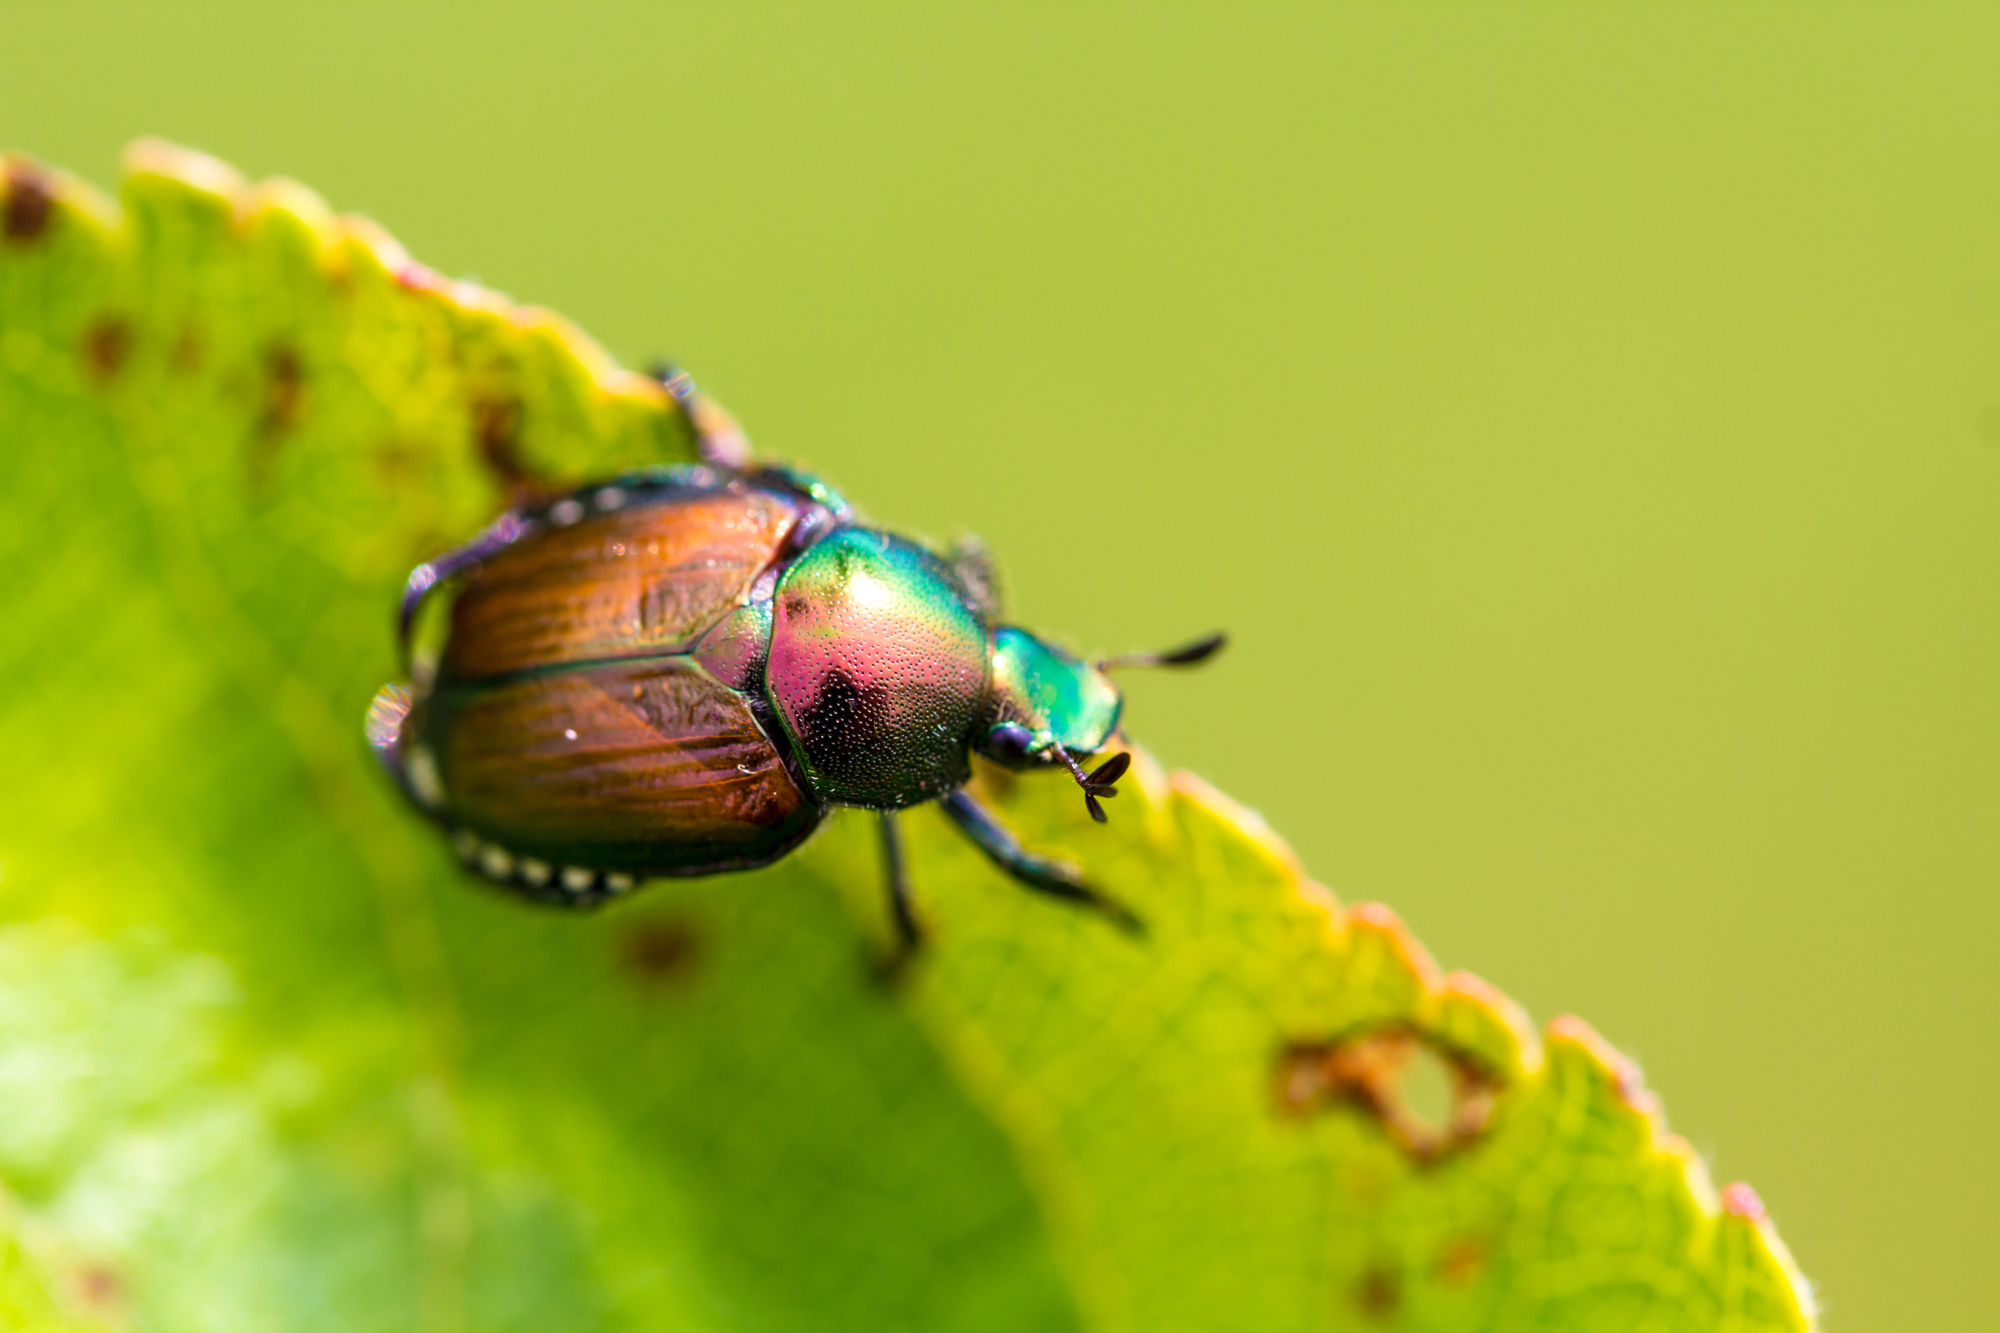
<point x="878" y="669"/>
<point x="1054" y="695"/>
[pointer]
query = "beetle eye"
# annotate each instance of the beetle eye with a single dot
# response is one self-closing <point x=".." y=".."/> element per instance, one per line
<point x="1010" y="742"/>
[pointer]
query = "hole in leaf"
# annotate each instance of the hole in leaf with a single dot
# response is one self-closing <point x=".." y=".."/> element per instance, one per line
<point x="1428" y="1099"/>
<point x="1427" y="1088"/>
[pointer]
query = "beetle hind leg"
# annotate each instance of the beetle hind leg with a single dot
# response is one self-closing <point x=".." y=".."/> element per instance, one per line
<point x="909" y="934"/>
<point x="1039" y="874"/>
<point x="717" y="437"/>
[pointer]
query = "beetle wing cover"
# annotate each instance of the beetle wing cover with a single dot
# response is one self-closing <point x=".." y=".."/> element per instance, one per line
<point x="646" y="765"/>
<point x="648" y="578"/>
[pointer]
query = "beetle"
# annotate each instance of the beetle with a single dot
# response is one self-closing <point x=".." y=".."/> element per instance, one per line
<point x="679" y="671"/>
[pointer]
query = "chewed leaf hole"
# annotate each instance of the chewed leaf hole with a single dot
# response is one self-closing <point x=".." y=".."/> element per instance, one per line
<point x="1429" y="1100"/>
<point x="1427" y="1089"/>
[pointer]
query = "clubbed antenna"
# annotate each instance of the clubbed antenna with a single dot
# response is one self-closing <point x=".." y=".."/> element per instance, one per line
<point x="1186" y="655"/>
<point x="1100" y="781"/>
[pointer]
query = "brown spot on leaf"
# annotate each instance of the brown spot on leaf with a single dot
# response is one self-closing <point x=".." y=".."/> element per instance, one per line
<point x="284" y="389"/>
<point x="496" y="430"/>
<point x="496" y="427"/>
<point x="107" y="346"/>
<point x="188" y="351"/>
<point x="99" y="1289"/>
<point x="396" y="463"/>
<point x="284" y="407"/>
<point x="30" y="205"/>
<point x="1372" y="1072"/>
<point x="1379" y="1294"/>
<point x="661" y="953"/>
<point x="1462" y="1261"/>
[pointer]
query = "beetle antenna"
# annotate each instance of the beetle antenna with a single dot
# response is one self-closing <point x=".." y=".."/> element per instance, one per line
<point x="1188" y="654"/>
<point x="1100" y="781"/>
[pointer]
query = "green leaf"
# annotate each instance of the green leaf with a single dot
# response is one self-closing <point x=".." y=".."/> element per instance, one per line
<point x="268" y="1060"/>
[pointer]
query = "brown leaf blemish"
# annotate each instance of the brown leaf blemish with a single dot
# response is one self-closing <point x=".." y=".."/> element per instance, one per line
<point x="284" y="407"/>
<point x="662" y="953"/>
<point x="30" y="206"/>
<point x="496" y="432"/>
<point x="98" y="1289"/>
<point x="284" y="390"/>
<point x="188" y="351"/>
<point x="1367" y="1072"/>
<point x="1462" y="1261"/>
<point x="1379" y="1294"/>
<point x="396" y="464"/>
<point x="496" y="429"/>
<point x="107" y="346"/>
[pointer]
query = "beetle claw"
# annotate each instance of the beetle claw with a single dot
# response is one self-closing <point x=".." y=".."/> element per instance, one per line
<point x="1101" y="782"/>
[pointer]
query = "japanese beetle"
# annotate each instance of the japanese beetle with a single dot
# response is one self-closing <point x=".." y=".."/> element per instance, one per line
<point x="679" y="671"/>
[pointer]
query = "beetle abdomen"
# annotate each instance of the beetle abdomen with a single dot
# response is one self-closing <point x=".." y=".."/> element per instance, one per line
<point x="645" y="579"/>
<point x="649" y="766"/>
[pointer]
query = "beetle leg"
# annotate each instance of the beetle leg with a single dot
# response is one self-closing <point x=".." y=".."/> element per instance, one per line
<point x="501" y="533"/>
<point x="973" y="570"/>
<point x="909" y="935"/>
<point x="1039" y="873"/>
<point x="717" y="437"/>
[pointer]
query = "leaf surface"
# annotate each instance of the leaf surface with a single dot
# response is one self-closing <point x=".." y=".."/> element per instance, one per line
<point x="268" y="1060"/>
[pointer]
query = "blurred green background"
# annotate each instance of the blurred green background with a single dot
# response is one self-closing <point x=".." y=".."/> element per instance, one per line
<point x="1586" y="420"/>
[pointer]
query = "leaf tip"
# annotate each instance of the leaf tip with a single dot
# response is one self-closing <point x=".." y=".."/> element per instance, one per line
<point x="1485" y="1019"/>
<point x="187" y="166"/>
<point x="1626" y="1079"/>
<point x="1739" y="1200"/>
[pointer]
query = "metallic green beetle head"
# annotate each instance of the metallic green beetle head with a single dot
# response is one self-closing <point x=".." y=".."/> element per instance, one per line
<point x="1044" y="706"/>
<point x="884" y="673"/>
<point x="1040" y="697"/>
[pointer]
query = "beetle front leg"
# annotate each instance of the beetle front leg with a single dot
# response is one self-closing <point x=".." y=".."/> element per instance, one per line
<point x="1039" y="873"/>
<point x="909" y="935"/>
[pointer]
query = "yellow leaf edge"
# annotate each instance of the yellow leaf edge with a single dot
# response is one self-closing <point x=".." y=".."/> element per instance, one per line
<point x="1355" y="968"/>
<point x="162" y="183"/>
<point x="1458" y="1006"/>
